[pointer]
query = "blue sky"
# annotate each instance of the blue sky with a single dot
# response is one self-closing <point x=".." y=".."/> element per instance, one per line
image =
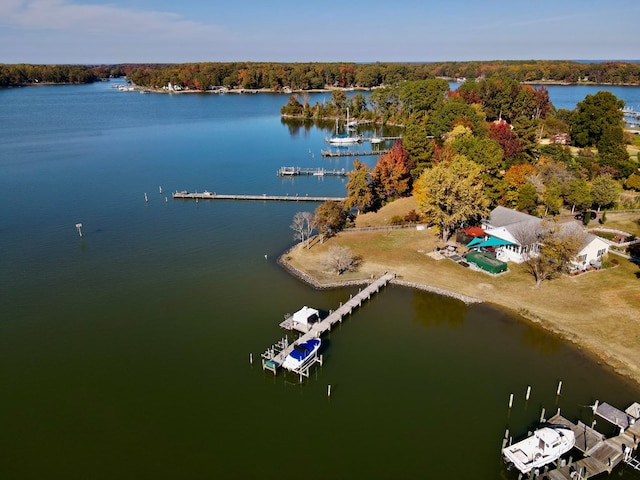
<point x="118" y="31"/>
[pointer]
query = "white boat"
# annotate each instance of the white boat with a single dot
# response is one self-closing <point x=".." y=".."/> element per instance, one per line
<point x="345" y="138"/>
<point x="302" y="354"/>
<point x="546" y="445"/>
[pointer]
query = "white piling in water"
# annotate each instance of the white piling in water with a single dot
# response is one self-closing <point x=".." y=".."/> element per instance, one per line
<point x="251" y="358"/>
<point x="595" y="406"/>
<point x="528" y="393"/>
<point x="329" y="390"/>
<point x="160" y="189"/>
<point x="146" y="199"/>
<point x="79" y="228"/>
<point x="559" y="388"/>
<point x="542" y="416"/>
<point x="511" y="400"/>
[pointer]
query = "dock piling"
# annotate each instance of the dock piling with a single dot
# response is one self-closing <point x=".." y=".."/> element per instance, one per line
<point x="511" y="400"/>
<point x="559" y="388"/>
<point x="528" y="393"/>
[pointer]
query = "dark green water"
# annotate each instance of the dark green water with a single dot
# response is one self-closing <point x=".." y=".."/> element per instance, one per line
<point x="125" y="354"/>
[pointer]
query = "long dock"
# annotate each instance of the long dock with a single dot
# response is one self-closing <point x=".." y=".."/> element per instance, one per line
<point x="600" y="454"/>
<point x="351" y="153"/>
<point x="273" y="358"/>
<point x="184" y="195"/>
<point x="318" y="172"/>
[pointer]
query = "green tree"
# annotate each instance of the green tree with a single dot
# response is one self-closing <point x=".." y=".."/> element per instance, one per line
<point x="527" y="198"/>
<point x="359" y="192"/>
<point x="451" y="193"/>
<point x="579" y="195"/>
<point x="593" y="115"/>
<point x="552" y="197"/>
<point x="419" y="147"/>
<point x="605" y="191"/>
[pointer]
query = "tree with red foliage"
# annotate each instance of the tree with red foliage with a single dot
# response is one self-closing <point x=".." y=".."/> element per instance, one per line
<point x="391" y="177"/>
<point x="502" y="133"/>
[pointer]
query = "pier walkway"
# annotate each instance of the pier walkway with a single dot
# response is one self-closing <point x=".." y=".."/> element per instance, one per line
<point x="318" y="172"/>
<point x="351" y="153"/>
<point x="184" y="195"/>
<point x="273" y="357"/>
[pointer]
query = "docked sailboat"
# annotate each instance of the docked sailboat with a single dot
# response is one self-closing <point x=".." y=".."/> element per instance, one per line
<point x="545" y="446"/>
<point x="344" y="138"/>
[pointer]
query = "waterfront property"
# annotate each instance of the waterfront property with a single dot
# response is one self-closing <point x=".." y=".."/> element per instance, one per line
<point x="514" y="235"/>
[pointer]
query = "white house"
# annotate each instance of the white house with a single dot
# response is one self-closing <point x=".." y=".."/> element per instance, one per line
<point x="514" y="235"/>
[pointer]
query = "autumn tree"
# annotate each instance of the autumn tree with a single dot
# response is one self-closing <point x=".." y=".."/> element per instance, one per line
<point x="550" y="246"/>
<point x="451" y="193"/>
<point x="330" y="218"/>
<point x="502" y="133"/>
<point x="391" y="177"/>
<point x="517" y="175"/>
<point x="359" y="191"/>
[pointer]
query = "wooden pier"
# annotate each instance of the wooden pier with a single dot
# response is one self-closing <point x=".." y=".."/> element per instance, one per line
<point x="600" y="454"/>
<point x="273" y="357"/>
<point x="184" y="195"/>
<point x="318" y="172"/>
<point x="352" y="153"/>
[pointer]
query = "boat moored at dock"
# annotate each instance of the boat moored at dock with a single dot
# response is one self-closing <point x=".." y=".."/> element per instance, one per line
<point x="303" y="353"/>
<point x="546" y="445"/>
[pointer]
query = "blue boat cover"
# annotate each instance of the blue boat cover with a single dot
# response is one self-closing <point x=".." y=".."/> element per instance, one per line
<point x="302" y="350"/>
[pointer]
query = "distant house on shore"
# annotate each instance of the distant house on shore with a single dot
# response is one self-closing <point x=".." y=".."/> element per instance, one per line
<point x="514" y="237"/>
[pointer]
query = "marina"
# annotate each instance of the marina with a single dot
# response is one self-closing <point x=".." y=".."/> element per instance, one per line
<point x="274" y="357"/>
<point x="600" y="454"/>
<point x="184" y="195"/>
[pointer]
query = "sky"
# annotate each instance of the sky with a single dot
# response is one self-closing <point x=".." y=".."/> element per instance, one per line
<point x="180" y="31"/>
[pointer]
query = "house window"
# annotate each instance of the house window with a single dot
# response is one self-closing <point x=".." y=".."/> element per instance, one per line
<point x="582" y="258"/>
<point x="602" y="252"/>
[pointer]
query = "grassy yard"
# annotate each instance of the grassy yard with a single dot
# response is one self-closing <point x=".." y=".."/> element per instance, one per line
<point x="598" y="310"/>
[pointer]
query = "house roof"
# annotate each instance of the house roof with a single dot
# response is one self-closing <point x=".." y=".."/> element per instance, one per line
<point x="502" y="216"/>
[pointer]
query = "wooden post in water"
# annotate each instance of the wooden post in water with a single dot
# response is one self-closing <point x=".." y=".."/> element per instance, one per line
<point x="542" y="416"/>
<point x="79" y="228"/>
<point x="511" y="400"/>
<point x="329" y="390"/>
<point x="528" y="393"/>
<point x="559" y="388"/>
<point x="251" y="358"/>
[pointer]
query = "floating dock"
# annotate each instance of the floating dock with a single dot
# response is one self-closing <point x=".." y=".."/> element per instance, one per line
<point x="184" y="195"/>
<point x="600" y="454"/>
<point x="272" y="358"/>
<point x="318" y="172"/>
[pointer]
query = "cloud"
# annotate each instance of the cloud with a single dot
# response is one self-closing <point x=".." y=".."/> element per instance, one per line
<point x="61" y="15"/>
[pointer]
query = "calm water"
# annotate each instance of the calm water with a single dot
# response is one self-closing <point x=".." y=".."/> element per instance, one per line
<point x="125" y="354"/>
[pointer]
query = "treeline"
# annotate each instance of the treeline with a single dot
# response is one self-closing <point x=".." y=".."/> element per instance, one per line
<point x="25" y="74"/>
<point x="309" y="76"/>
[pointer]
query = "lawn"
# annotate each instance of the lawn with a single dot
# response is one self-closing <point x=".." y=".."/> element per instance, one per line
<point x="598" y="310"/>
